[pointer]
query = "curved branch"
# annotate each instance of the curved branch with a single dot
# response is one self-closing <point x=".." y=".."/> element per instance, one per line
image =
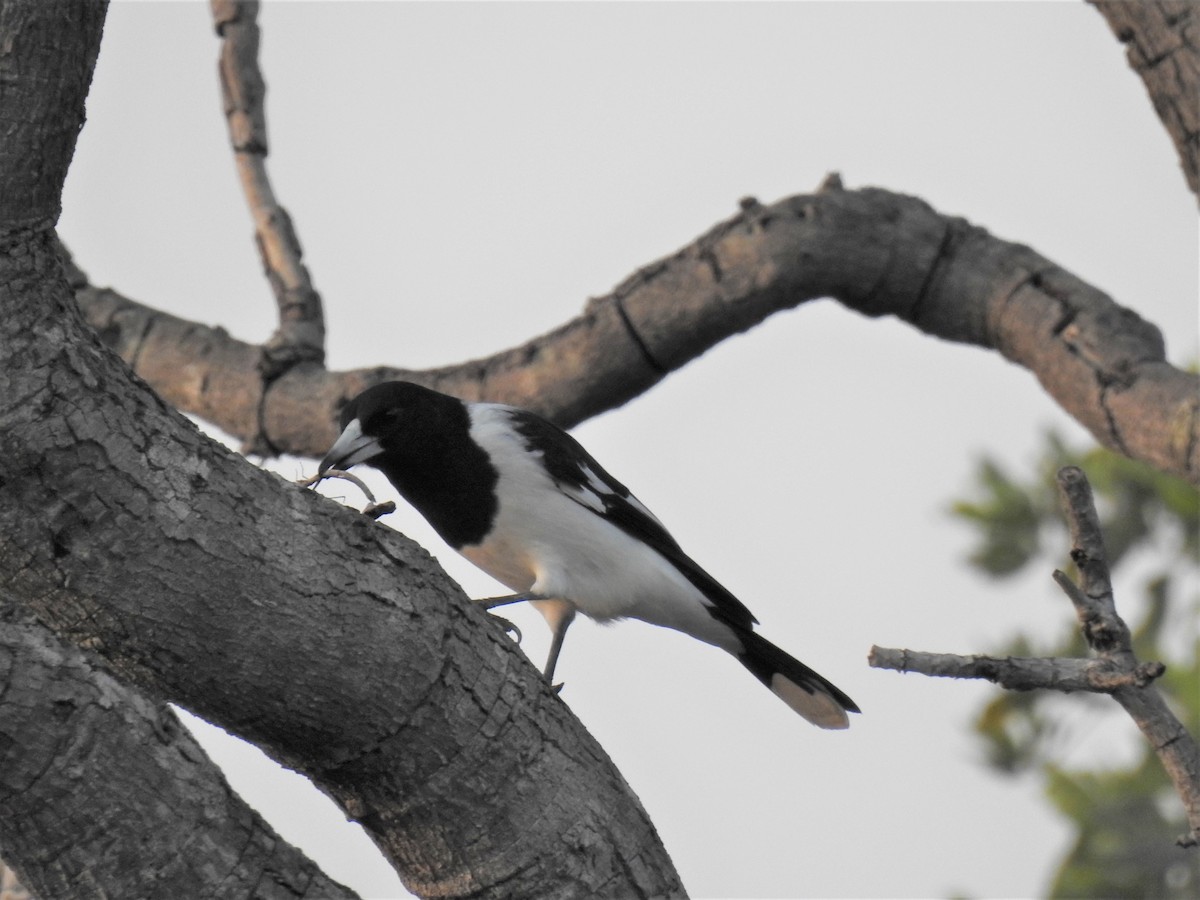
<point x="1162" y="41"/>
<point x="878" y="252"/>
<point x="300" y="336"/>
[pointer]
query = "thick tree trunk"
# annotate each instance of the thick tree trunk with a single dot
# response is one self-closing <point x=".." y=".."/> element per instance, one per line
<point x="212" y="583"/>
<point x="203" y="580"/>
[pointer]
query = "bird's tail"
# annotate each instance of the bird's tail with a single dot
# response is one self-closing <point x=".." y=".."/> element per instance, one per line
<point x="808" y="693"/>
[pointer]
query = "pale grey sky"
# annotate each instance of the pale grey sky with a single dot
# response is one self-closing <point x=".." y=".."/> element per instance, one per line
<point x="464" y="176"/>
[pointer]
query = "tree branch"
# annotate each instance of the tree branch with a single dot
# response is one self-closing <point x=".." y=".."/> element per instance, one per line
<point x="300" y="336"/>
<point x="1162" y="42"/>
<point x="134" y="774"/>
<point x="877" y="252"/>
<point x="1019" y="673"/>
<point x="1108" y="635"/>
<point x="1115" y="670"/>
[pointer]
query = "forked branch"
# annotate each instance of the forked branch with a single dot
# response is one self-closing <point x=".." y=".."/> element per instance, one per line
<point x="1114" y="669"/>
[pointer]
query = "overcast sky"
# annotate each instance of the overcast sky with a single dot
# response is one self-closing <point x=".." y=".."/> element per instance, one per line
<point x="465" y="176"/>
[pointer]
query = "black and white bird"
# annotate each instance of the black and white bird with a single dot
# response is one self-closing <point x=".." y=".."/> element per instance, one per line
<point x="523" y="501"/>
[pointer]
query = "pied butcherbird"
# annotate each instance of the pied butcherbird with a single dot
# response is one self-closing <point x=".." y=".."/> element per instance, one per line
<point x="523" y="501"/>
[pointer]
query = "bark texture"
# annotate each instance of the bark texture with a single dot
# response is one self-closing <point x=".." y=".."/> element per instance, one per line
<point x="36" y="147"/>
<point x="130" y="768"/>
<point x="878" y="252"/>
<point x="301" y="332"/>
<point x="209" y="582"/>
<point x="203" y="580"/>
<point x="1162" y="42"/>
<point x="200" y="579"/>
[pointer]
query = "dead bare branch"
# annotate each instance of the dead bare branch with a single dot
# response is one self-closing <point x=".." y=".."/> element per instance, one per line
<point x="300" y="336"/>
<point x="1108" y="635"/>
<point x="1019" y="673"/>
<point x="1114" y="670"/>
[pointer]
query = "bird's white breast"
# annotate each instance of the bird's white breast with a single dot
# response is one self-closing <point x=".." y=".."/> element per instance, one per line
<point x="544" y="541"/>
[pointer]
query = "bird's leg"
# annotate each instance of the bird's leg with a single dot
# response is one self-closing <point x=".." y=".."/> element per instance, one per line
<point x="493" y="602"/>
<point x="561" y="624"/>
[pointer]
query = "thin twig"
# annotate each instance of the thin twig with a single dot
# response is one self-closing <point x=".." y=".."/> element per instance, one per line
<point x="1104" y="630"/>
<point x="1108" y="635"/>
<point x="1019" y="673"/>
<point x="300" y="336"/>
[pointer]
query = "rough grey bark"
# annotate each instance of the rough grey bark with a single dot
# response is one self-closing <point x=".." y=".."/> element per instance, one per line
<point x="203" y="580"/>
<point x="130" y="768"/>
<point x="439" y="737"/>
<point x="1162" y="41"/>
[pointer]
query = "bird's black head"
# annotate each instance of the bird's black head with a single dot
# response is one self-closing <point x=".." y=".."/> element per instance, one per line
<point x="396" y="418"/>
<point x="421" y="440"/>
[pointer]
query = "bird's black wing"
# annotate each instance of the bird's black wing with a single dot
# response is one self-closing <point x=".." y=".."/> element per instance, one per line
<point x="586" y="482"/>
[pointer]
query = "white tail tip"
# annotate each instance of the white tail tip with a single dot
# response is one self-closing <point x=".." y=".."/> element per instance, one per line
<point x="816" y="706"/>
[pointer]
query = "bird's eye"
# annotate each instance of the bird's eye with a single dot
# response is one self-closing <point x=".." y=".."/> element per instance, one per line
<point x="384" y="419"/>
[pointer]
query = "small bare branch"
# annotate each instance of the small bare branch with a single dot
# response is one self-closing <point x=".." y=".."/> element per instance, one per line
<point x="1019" y="673"/>
<point x="1114" y="670"/>
<point x="300" y="336"/>
<point x="1105" y="631"/>
<point x="1108" y="635"/>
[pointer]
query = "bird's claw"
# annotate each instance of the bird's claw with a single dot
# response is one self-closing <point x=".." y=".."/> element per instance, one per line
<point x="509" y="627"/>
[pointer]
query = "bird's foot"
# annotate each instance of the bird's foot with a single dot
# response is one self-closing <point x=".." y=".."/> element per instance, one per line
<point x="509" y="627"/>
